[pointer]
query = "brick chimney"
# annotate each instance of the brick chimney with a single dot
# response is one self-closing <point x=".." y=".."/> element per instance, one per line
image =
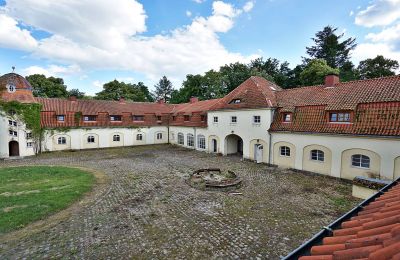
<point x="72" y="98"/>
<point x="194" y="99"/>
<point x="331" y="80"/>
<point x="161" y="101"/>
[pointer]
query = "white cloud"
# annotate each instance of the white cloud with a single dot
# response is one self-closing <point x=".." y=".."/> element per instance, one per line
<point x="388" y="35"/>
<point x="188" y="13"/>
<point x="351" y="13"/>
<point x="78" y="36"/>
<point x="199" y="1"/>
<point x="52" y="70"/>
<point x="97" y="84"/>
<point x="248" y="6"/>
<point x="11" y="36"/>
<point x="379" y="13"/>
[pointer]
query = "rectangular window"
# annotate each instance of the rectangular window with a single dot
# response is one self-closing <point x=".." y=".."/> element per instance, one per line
<point x="173" y="118"/>
<point x="339" y="117"/>
<point x="215" y="119"/>
<point x="115" y="118"/>
<point x="256" y="119"/>
<point x="89" y="118"/>
<point x="138" y="118"/>
<point x="28" y="135"/>
<point x="190" y="140"/>
<point x="203" y="118"/>
<point x="159" y="136"/>
<point x="235" y="101"/>
<point x="187" y="118"/>
<point x="158" y="118"/>
<point x="29" y="144"/>
<point x="201" y="142"/>
<point x="60" y="118"/>
<point x="285" y="151"/>
<point x="12" y="123"/>
<point x="233" y="119"/>
<point x="287" y="117"/>
<point x="13" y="133"/>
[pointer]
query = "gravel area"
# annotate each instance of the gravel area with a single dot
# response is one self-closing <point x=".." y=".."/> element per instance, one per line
<point x="147" y="211"/>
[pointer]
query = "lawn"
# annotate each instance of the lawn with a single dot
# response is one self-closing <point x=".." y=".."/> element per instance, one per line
<point x="32" y="193"/>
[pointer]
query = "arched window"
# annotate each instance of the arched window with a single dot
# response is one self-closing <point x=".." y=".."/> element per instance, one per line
<point x="159" y="136"/>
<point x="181" y="139"/>
<point x="359" y="160"/>
<point x="190" y="140"/>
<point x="61" y="140"/>
<point x="317" y="155"/>
<point x="139" y="137"/>
<point x="116" y="138"/>
<point x="91" y="139"/>
<point x="201" y="142"/>
<point x="285" y="151"/>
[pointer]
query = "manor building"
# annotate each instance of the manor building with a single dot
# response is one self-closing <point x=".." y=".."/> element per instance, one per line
<point x="338" y="129"/>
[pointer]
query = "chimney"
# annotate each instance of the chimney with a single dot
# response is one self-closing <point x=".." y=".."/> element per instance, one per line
<point x="331" y="80"/>
<point x="194" y="99"/>
<point x="161" y="101"/>
<point x="72" y="98"/>
<point x="122" y="100"/>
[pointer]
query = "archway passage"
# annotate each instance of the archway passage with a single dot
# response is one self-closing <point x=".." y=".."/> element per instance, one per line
<point x="234" y="144"/>
<point x="13" y="148"/>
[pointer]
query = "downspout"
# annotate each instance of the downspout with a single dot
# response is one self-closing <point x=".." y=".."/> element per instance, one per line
<point x="270" y="138"/>
<point x="169" y="116"/>
<point x="195" y="138"/>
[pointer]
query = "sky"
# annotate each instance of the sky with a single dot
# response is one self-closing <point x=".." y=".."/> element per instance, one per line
<point x="91" y="42"/>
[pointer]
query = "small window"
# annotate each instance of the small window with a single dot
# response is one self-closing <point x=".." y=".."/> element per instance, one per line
<point x="159" y="136"/>
<point x="285" y="151"/>
<point x="60" y="118"/>
<point x="13" y="133"/>
<point x="256" y="119"/>
<point x="158" y="118"/>
<point x="339" y="117"/>
<point x="91" y="139"/>
<point x="139" y="137"/>
<point x="190" y="140"/>
<point x="115" y="118"/>
<point x="201" y="142"/>
<point x="29" y="144"/>
<point x="173" y="118"/>
<point x="361" y="161"/>
<point x="28" y="135"/>
<point x="235" y="101"/>
<point x="61" y="140"/>
<point x="187" y="118"/>
<point x="215" y="119"/>
<point x="138" y="118"/>
<point x="89" y="118"/>
<point x="181" y="139"/>
<point x="116" y="138"/>
<point x="287" y="117"/>
<point x="12" y="123"/>
<point x="11" y="88"/>
<point x="233" y="119"/>
<point x="203" y="118"/>
<point x="317" y="155"/>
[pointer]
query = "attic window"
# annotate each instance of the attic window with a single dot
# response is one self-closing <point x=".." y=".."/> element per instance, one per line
<point x="116" y="118"/>
<point x="89" y="118"/>
<point x="235" y="101"/>
<point x="287" y="117"/>
<point x="341" y="117"/>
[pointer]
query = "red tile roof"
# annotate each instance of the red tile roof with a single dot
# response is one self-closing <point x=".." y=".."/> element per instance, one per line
<point x="23" y="91"/>
<point x="373" y="233"/>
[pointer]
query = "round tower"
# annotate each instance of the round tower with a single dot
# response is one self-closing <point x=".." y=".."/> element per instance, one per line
<point x="14" y="87"/>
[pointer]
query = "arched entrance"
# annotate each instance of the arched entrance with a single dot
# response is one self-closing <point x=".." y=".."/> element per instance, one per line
<point x="233" y="144"/>
<point x="13" y="148"/>
<point x="214" y="145"/>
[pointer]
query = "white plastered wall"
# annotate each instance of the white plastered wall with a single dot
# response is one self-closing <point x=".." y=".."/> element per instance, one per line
<point x="387" y="149"/>
<point x="185" y="130"/>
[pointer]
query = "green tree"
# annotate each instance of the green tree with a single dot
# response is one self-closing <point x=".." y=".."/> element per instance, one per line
<point x="114" y="90"/>
<point x="271" y="69"/>
<point x="76" y="93"/>
<point x="377" y="67"/>
<point x="164" y="89"/>
<point x="294" y="77"/>
<point x="234" y="74"/>
<point x="50" y="87"/>
<point x="328" y="46"/>
<point x="315" y="71"/>
<point x="348" y="72"/>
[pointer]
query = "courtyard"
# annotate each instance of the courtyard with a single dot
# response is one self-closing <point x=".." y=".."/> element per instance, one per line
<point x="142" y="208"/>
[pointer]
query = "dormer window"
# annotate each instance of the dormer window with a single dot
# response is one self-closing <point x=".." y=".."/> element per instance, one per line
<point x="89" y="118"/>
<point x="11" y="88"/>
<point x="138" y="118"/>
<point x="339" y="117"/>
<point x="158" y="118"/>
<point x="115" y="118"/>
<point x="60" y="118"/>
<point x="187" y="118"/>
<point x="235" y="101"/>
<point x="287" y="117"/>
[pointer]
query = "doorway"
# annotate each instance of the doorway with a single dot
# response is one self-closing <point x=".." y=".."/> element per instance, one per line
<point x="214" y="145"/>
<point x="13" y="148"/>
<point x="258" y="153"/>
<point x="233" y="145"/>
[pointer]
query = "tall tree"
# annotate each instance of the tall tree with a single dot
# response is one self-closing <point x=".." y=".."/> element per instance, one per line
<point x="114" y="90"/>
<point x="315" y="71"/>
<point x="164" y="89"/>
<point x="377" y="67"/>
<point x="272" y="69"/>
<point x="50" y="87"/>
<point x="233" y="75"/>
<point x="328" y="46"/>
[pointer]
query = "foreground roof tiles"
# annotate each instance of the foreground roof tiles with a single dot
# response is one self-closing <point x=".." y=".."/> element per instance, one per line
<point x="374" y="233"/>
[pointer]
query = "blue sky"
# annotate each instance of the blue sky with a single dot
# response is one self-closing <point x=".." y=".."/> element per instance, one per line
<point x="93" y="42"/>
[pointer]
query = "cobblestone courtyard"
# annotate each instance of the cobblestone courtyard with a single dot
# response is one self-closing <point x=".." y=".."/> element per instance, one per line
<point x="146" y="210"/>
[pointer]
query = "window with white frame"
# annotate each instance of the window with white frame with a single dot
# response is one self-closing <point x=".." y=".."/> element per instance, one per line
<point x="13" y="133"/>
<point x="339" y="117"/>
<point x="256" y="119"/>
<point x="215" y="119"/>
<point x="116" y="138"/>
<point x="201" y="142"/>
<point x="361" y="161"/>
<point x="29" y="144"/>
<point x="12" y="123"/>
<point x="61" y="140"/>
<point x="285" y="151"/>
<point x="233" y="119"/>
<point x="181" y="139"/>
<point x="89" y="118"/>
<point x="115" y="118"/>
<point x="317" y="155"/>
<point x="159" y="136"/>
<point x="287" y="117"/>
<point x="139" y="137"/>
<point x="60" y="118"/>
<point x="91" y="139"/>
<point x="190" y="140"/>
<point x="28" y="135"/>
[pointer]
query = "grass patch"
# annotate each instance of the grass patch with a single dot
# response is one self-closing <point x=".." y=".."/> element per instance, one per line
<point x="32" y="193"/>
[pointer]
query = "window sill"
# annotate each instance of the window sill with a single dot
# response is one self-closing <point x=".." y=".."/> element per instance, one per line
<point x="340" y="123"/>
<point x="359" y="167"/>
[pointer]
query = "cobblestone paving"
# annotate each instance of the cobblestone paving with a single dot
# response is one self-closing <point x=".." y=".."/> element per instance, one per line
<point x="149" y="212"/>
